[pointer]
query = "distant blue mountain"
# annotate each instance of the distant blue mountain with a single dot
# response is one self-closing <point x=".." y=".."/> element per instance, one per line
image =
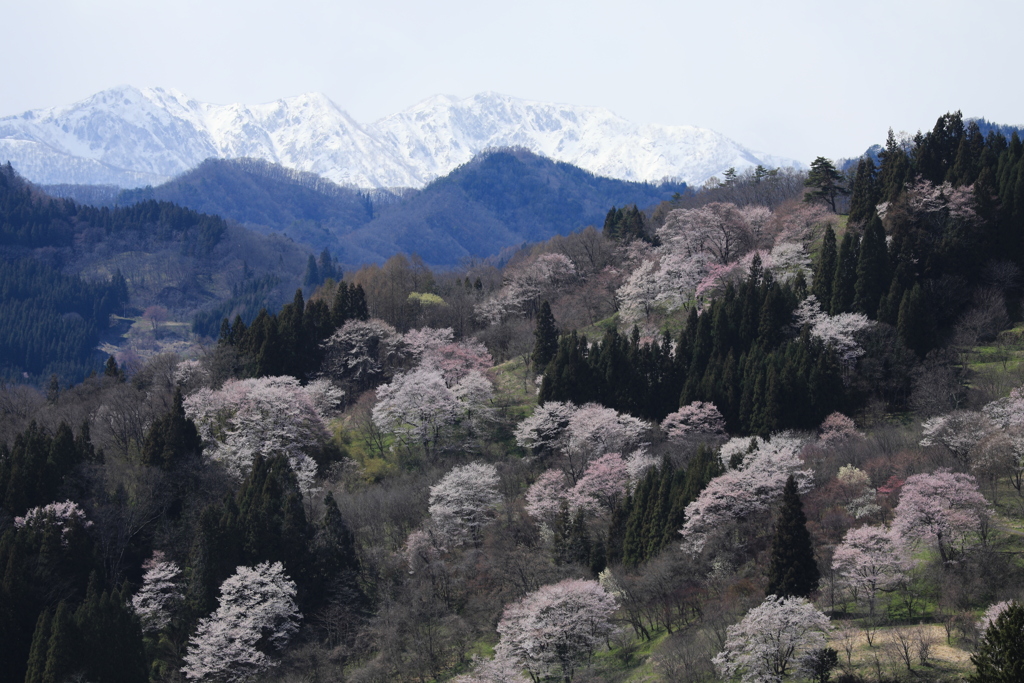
<point x="500" y="199"/>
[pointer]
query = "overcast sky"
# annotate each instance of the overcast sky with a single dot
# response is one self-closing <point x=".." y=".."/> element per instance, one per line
<point x="796" y="79"/>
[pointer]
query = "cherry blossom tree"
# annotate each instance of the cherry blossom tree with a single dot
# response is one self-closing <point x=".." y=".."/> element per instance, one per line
<point x="945" y="508"/>
<point x="545" y="495"/>
<point x="420" y="406"/>
<point x="837" y="331"/>
<point x="326" y="397"/>
<point x="525" y="285"/>
<point x="602" y="485"/>
<point x="870" y="560"/>
<point x="266" y="415"/>
<point x="362" y="353"/>
<point x="771" y="637"/>
<point x="463" y="500"/>
<point x="960" y="432"/>
<point x="580" y="434"/>
<point x="66" y="516"/>
<point x="694" y="420"/>
<point x="545" y="428"/>
<point x="556" y="628"/>
<point x="836" y="429"/>
<point x="742" y="493"/>
<point x="254" y="620"/>
<point x="160" y="594"/>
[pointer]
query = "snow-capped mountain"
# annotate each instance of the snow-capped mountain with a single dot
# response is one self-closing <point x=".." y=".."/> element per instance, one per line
<point x="131" y="137"/>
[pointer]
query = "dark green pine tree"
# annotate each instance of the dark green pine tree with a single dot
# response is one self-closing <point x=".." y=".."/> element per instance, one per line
<point x="62" y="648"/>
<point x="172" y="438"/>
<point x="313" y="277"/>
<point x="872" y="269"/>
<point x="895" y="167"/>
<point x="1000" y="658"/>
<point x="545" y="345"/>
<point x="825" y="272"/>
<point x="617" y="531"/>
<point x="111" y="370"/>
<point x="844" y="282"/>
<point x="793" y="572"/>
<point x="864" y="195"/>
<point x="824" y="183"/>
<point x="912" y="325"/>
<point x="40" y="646"/>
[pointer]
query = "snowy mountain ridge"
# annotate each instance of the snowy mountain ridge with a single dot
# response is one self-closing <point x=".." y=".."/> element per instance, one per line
<point x="131" y="137"/>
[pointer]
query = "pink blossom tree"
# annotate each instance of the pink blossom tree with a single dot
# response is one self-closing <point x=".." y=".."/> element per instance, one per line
<point x="602" y="485"/>
<point x="362" y="353"/>
<point x="945" y="508"/>
<point x="556" y="628"/>
<point x="255" y="618"/>
<point x="545" y="495"/>
<point x="419" y="406"/>
<point x="771" y="637"/>
<point x="870" y="560"/>
<point x="836" y="429"/>
<point x="837" y="331"/>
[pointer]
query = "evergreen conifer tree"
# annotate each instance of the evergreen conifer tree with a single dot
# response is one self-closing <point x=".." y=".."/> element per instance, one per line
<point x="844" y="282"/>
<point x="872" y="269"/>
<point x="1000" y="658"/>
<point x="864" y="195"/>
<point x="825" y="272"/>
<point x="39" y="649"/>
<point x="793" y="571"/>
<point x="546" y="335"/>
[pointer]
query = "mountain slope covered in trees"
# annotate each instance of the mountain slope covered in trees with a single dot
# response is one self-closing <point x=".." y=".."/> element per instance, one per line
<point x="795" y="453"/>
<point x="499" y="200"/>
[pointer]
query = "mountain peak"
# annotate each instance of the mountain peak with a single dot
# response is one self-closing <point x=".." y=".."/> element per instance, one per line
<point x="127" y="136"/>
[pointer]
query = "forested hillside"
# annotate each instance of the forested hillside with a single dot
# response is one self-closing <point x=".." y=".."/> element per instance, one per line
<point x="766" y="431"/>
<point x="499" y="200"/>
<point x="69" y="270"/>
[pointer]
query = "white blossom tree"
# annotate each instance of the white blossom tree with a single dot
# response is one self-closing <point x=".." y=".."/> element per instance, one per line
<point x="419" y="406"/>
<point x="160" y="594"/>
<point x="837" y="331"/>
<point x="254" y="620"/>
<point x="463" y="500"/>
<point x="694" y="420"/>
<point x="740" y="494"/>
<point x="770" y="638"/>
<point x="267" y="416"/>
<point x="960" y="432"/>
<point x="556" y="628"/>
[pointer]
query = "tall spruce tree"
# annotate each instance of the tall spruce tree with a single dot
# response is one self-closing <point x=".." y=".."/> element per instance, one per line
<point x="864" y="195"/>
<point x="793" y="572"/>
<point x="546" y="335"/>
<point x="844" y="282"/>
<point x="872" y="269"/>
<point x="825" y="272"/>
<point x="1000" y="658"/>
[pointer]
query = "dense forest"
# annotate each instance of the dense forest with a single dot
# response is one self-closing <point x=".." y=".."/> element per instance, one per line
<point x="765" y="430"/>
<point x="70" y="271"/>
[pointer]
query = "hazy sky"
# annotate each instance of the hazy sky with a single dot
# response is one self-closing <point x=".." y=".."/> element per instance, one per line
<point x="791" y="78"/>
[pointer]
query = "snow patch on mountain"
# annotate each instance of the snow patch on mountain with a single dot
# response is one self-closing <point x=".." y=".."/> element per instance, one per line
<point x="130" y="137"/>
